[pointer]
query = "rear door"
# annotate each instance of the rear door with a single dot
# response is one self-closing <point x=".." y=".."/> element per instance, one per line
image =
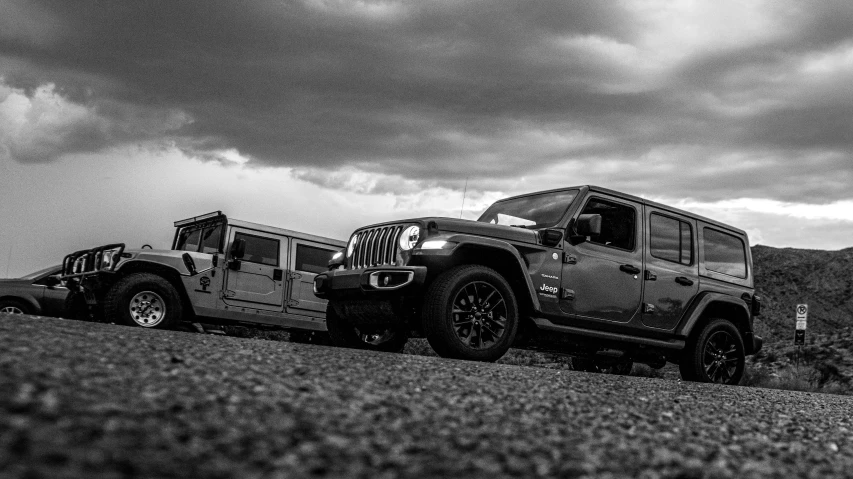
<point x="257" y="280"/>
<point x="308" y="259"/>
<point x="672" y="271"/>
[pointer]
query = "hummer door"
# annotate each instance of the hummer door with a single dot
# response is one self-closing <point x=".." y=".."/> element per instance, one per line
<point x="308" y="260"/>
<point x="672" y="272"/>
<point x="256" y="280"/>
<point x="602" y="276"/>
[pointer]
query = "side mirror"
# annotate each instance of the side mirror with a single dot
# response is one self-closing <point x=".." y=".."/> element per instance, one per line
<point x="238" y="249"/>
<point x="586" y="225"/>
<point x="550" y="237"/>
<point x="589" y="225"/>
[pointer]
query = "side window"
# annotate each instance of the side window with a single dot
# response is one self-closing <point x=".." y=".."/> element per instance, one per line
<point x="724" y="253"/>
<point x="671" y="239"/>
<point x="311" y="259"/>
<point x="618" y="223"/>
<point x="259" y="249"/>
<point x="210" y="239"/>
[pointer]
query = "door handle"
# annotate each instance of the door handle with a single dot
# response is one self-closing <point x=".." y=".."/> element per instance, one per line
<point x="630" y="269"/>
<point x="684" y="281"/>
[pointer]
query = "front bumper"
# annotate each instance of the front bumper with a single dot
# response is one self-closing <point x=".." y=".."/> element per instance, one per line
<point x="380" y="282"/>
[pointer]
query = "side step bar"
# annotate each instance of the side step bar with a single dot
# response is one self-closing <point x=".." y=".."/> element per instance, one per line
<point x="657" y="343"/>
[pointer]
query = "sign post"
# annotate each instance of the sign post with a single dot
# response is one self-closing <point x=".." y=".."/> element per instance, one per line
<point x="800" y="332"/>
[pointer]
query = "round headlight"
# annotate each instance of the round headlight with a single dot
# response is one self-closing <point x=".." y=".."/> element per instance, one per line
<point x="351" y="245"/>
<point x="410" y="237"/>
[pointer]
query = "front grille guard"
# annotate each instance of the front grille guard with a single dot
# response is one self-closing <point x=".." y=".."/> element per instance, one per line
<point x="376" y="247"/>
<point x="92" y="263"/>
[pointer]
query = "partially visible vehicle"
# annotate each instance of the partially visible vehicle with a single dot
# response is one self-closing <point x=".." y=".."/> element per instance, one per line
<point x="219" y="271"/>
<point x="41" y="293"/>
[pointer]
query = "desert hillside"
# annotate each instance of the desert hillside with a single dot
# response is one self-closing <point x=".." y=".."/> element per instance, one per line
<point x="785" y="277"/>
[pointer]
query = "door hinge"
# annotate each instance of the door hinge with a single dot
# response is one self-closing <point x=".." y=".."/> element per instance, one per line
<point x="648" y="308"/>
<point x="567" y="294"/>
<point x="228" y="293"/>
<point x="651" y="276"/>
<point x="291" y="303"/>
<point x="294" y="275"/>
<point x="569" y="259"/>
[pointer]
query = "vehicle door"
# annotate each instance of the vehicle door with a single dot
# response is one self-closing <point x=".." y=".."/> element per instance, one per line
<point x="53" y="294"/>
<point x="601" y="276"/>
<point x="672" y="272"/>
<point x="256" y="279"/>
<point x="308" y="259"/>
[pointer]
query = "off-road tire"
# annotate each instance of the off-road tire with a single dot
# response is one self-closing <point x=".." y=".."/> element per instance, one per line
<point x="345" y="335"/>
<point x="621" y="368"/>
<point x="14" y="305"/>
<point x="718" y="342"/>
<point x="117" y="304"/>
<point x="444" y="330"/>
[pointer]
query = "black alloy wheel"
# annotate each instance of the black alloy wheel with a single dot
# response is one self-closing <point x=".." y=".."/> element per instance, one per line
<point x="479" y="315"/>
<point x="345" y="335"/>
<point x="720" y="357"/>
<point x="715" y="355"/>
<point x="470" y="312"/>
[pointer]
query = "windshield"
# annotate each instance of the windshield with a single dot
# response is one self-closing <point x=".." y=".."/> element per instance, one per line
<point x="205" y="238"/>
<point x="533" y="211"/>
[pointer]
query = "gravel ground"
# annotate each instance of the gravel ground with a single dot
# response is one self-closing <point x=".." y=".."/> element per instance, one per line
<point x="93" y="400"/>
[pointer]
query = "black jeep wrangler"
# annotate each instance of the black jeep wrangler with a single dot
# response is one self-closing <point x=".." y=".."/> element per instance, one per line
<point x="606" y="277"/>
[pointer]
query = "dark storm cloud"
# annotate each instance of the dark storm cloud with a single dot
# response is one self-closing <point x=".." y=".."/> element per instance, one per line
<point x="437" y="91"/>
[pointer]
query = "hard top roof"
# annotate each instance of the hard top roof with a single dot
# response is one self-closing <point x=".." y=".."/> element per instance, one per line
<point x="630" y="197"/>
<point x="259" y="227"/>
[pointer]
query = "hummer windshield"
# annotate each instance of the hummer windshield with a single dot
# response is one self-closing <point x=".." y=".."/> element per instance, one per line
<point x="203" y="237"/>
<point x="542" y="210"/>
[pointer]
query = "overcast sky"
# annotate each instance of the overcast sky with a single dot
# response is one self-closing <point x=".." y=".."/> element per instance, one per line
<point x="119" y="117"/>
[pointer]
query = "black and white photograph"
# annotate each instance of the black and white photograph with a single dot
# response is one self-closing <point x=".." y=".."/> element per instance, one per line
<point x="426" y="239"/>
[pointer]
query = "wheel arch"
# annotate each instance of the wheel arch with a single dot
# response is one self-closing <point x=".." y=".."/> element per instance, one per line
<point x="32" y="304"/>
<point x="508" y="263"/>
<point x="166" y="272"/>
<point x="714" y="305"/>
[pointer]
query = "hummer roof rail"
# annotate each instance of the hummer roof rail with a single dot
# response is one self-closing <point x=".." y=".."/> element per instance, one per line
<point x="198" y="218"/>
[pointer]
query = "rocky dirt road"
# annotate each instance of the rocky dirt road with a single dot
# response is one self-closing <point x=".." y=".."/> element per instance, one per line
<point x="93" y="400"/>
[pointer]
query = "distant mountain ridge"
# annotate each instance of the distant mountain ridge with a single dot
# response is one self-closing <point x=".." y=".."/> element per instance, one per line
<point x="785" y="277"/>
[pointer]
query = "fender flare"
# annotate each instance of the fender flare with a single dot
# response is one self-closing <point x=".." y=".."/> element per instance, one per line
<point x="466" y="241"/>
<point x="162" y="269"/>
<point x="698" y="307"/>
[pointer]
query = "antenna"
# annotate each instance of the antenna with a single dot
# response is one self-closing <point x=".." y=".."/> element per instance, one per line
<point x="9" y="260"/>
<point x="464" y="192"/>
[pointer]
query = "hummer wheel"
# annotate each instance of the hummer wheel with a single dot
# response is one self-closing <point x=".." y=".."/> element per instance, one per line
<point x="346" y="335"/>
<point x="145" y="300"/>
<point x="715" y="355"/>
<point x="470" y="313"/>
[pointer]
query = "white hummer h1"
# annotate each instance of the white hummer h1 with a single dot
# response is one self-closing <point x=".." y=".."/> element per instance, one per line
<point x="219" y="270"/>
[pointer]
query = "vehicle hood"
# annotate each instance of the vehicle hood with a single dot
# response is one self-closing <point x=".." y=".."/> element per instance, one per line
<point x="173" y="258"/>
<point x="453" y="225"/>
<point x="14" y="282"/>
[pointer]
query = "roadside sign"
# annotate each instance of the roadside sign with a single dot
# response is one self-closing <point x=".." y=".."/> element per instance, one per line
<point x="802" y="323"/>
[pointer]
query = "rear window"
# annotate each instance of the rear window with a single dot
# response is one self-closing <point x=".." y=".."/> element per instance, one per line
<point x="671" y="239"/>
<point x="724" y="253"/>
<point x="311" y="259"/>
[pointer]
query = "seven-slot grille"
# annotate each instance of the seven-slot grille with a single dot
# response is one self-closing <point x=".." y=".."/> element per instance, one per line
<point x="376" y="246"/>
